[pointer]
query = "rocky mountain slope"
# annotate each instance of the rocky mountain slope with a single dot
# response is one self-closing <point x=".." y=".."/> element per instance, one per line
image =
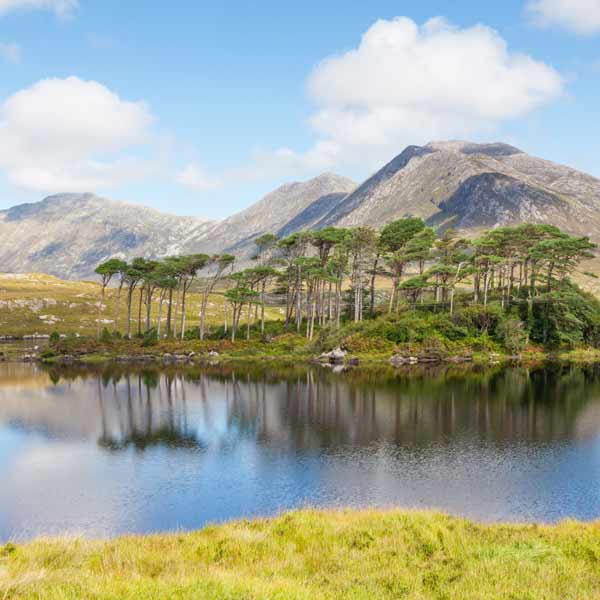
<point x="460" y="184"/>
<point x="69" y="234"/>
<point x="292" y="207"/>
<point x="473" y="186"/>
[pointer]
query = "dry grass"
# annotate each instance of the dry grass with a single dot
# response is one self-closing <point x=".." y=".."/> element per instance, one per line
<point x="38" y="303"/>
<point x="313" y="555"/>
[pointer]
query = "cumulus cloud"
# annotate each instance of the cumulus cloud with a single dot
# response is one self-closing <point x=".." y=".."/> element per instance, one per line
<point x="62" y="8"/>
<point x="71" y="135"/>
<point x="579" y="16"/>
<point x="10" y="53"/>
<point x="407" y="83"/>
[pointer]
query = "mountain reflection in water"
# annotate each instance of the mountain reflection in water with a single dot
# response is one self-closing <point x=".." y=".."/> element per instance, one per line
<point x="178" y="448"/>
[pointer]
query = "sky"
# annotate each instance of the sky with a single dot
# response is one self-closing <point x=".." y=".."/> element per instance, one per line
<point x="200" y="108"/>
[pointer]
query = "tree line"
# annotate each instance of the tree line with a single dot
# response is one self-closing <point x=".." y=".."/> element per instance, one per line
<point x="334" y="274"/>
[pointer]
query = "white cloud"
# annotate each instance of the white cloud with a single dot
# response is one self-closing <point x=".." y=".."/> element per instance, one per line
<point x="71" y="135"/>
<point x="10" y="53"/>
<point x="407" y="84"/>
<point x="196" y="178"/>
<point x="62" y="8"/>
<point x="579" y="16"/>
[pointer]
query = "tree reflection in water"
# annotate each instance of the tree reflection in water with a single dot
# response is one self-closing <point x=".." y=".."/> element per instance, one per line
<point x="120" y="449"/>
<point x="151" y="412"/>
<point x="304" y="409"/>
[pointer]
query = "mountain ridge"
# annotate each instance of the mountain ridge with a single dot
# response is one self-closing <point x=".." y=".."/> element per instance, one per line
<point x="461" y="184"/>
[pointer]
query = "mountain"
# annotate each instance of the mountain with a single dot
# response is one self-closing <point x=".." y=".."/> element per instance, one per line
<point x="291" y="207"/>
<point x="69" y="234"/>
<point x="459" y="184"/>
<point x="473" y="186"/>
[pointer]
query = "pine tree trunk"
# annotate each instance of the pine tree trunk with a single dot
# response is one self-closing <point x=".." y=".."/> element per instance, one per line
<point x="141" y="297"/>
<point x="118" y="307"/>
<point x="176" y="308"/>
<point x="129" y="303"/>
<point x="372" y="291"/>
<point x="262" y="308"/>
<point x="159" y="319"/>
<point x="183" y="297"/>
<point x="249" y="320"/>
<point x="170" y="313"/>
<point x="100" y="304"/>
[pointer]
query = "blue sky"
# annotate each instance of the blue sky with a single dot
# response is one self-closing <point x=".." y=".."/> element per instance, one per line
<point x="200" y="108"/>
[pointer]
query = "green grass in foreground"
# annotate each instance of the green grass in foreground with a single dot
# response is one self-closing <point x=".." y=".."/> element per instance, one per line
<point x="317" y="555"/>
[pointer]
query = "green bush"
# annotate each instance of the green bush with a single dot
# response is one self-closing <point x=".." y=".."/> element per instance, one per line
<point x="512" y="334"/>
<point x="478" y="318"/>
<point x="563" y="318"/>
<point x="150" y="338"/>
<point x="444" y="324"/>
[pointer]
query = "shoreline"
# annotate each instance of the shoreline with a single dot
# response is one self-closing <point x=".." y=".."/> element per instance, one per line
<point x="341" y="553"/>
<point x="180" y="355"/>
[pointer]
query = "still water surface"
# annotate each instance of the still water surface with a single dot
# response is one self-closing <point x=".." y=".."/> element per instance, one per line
<point x="108" y="452"/>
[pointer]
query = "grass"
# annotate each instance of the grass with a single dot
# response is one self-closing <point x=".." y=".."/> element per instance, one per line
<point x="40" y="304"/>
<point x="35" y="303"/>
<point x="311" y="555"/>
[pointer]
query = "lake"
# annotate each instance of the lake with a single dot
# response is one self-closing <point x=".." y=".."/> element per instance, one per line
<point x="102" y="452"/>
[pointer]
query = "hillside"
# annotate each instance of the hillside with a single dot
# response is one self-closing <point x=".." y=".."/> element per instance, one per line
<point x="36" y="303"/>
<point x="460" y="184"/>
<point x="471" y="186"/>
<point x="292" y="207"/>
<point x="67" y="235"/>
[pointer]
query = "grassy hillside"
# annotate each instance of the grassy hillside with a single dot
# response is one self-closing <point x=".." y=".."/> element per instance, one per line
<point x="38" y="303"/>
<point x="311" y="555"/>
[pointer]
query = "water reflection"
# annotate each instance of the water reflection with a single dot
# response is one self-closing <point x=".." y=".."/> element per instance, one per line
<point x="303" y="409"/>
<point x="162" y="449"/>
<point x="146" y="414"/>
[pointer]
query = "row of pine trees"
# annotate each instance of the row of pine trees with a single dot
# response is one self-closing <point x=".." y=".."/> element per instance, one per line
<point x="326" y="276"/>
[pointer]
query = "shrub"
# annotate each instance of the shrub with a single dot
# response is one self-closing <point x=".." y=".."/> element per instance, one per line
<point x="512" y="334"/>
<point x="479" y="318"/>
<point x="54" y="337"/>
<point x="565" y="317"/>
<point x="444" y="324"/>
<point x="47" y="353"/>
<point x="150" y="338"/>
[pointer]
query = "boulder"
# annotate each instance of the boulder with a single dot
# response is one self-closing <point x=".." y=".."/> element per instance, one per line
<point x="398" y="360"/>
<point x="337" y="356"/>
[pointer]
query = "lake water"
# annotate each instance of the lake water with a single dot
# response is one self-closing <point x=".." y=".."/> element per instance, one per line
<point x="105" y="452"/>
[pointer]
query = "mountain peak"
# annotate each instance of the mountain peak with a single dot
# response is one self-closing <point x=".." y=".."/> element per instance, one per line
<point x="463" y="147"/>
<point x="469" y="185"/>
<point x="461" y="184"/>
